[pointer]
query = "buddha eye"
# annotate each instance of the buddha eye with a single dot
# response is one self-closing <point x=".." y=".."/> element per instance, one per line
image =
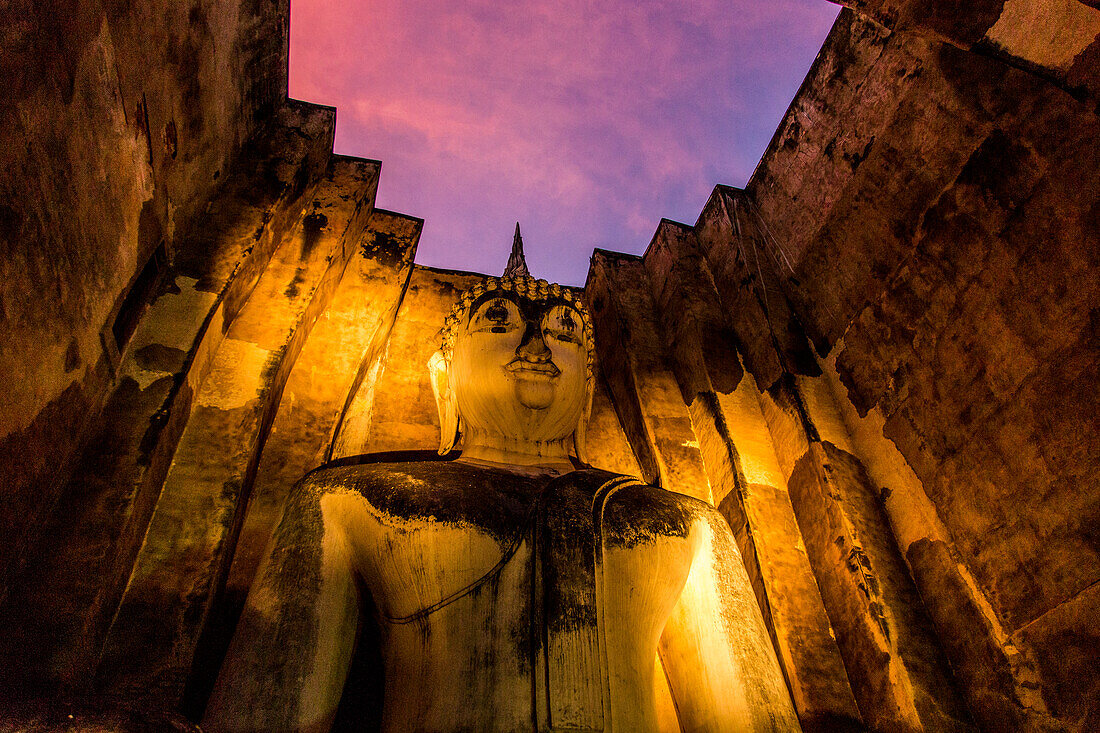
<point x="496" y="316"/>
<point x="563" y="324"/>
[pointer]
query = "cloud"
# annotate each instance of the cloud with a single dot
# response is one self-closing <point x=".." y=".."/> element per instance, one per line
<point x="583" y="119"/>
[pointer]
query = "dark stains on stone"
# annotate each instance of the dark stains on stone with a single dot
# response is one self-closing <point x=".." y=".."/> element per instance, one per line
<point x="160" y="358"/>
<point x="854" y="159"/>
<point x="171" y="139"/>
<point x="566" y="544"/>
<point x="313" y="227"/>
<point x="302" y="177"/>
<point x="72" y="356"/>
<point x="494" y="500"/>
<point x="265" y="217"/>
<point x="11" y="223"/>
<point x="49" y="435"/>
<point x="269" y="375"/>
<point x="709" y="400"/>
<point x="785" y="392"/>
<point x="636" y="515"/>
<point x="292" y="291"/>
<point x="388" y="250"/>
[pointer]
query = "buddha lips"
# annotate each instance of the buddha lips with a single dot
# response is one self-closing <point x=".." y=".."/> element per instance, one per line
<point x="524" y="369"/>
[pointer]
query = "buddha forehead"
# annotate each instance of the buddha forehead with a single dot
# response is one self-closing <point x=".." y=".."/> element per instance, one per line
<point x="530" y="309"/>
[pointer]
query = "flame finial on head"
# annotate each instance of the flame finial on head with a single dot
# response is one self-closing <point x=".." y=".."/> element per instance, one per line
<point x="517" y="279"/>
<point x="517" y="263"/>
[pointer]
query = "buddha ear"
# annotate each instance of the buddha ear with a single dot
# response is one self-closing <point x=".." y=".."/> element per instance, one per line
<point x="580" y="435"/>
<point x="438" y="371"/>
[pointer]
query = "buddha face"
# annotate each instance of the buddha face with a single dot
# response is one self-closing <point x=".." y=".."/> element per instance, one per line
<point x="519" y="367"/>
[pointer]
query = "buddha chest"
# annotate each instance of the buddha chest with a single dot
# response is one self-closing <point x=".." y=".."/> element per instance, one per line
<point x="516" y="603"/>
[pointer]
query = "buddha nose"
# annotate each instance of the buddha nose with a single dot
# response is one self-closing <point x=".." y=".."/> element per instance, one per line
<point x="533" y="346"/>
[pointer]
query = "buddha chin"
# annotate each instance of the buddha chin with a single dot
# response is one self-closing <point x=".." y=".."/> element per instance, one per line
<point x="535" y="388"/>
<point x="534" y="394"/>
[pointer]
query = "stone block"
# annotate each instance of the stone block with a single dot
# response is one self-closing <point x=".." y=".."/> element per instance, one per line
<point x="646" y="395"/>
<point x="188" y="546"/>
<point x="747" y="483"/>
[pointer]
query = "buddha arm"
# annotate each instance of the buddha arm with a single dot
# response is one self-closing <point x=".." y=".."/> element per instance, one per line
<point x="715" y="649"/>
<point x="289" y="657"/>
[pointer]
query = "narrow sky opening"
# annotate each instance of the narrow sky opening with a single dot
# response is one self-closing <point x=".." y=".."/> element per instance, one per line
<point x="586" y="122"/>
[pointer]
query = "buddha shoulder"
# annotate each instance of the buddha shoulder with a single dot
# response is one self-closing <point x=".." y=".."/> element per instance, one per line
<point x="635" y="512"/>
<point x="434" y="491"/>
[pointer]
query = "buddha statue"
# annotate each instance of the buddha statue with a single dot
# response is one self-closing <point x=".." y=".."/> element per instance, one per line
<point x="515" y="588"/>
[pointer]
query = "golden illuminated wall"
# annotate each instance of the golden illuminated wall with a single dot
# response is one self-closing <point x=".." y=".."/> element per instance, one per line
<point x="780" y="464"/>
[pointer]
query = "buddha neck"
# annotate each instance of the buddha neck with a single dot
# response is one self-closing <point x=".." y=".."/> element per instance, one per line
<point x="485" y="448"/>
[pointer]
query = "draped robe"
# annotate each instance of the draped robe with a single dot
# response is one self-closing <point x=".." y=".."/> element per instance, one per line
<point x="505" y="602"/>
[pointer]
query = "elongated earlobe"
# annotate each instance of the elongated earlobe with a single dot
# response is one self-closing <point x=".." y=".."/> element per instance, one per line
<point x="438" y="371"/>
<point x="580" y="435"/>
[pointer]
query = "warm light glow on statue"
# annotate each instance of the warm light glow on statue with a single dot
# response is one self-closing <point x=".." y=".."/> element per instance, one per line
<point x="516" y="588"/>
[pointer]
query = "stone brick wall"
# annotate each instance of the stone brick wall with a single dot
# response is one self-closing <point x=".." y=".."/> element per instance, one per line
<point x="119" y="120"/>
<point x="938" y="211"/>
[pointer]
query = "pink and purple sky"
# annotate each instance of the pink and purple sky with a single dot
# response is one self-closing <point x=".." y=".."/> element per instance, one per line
<point x="585" y="121"/>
